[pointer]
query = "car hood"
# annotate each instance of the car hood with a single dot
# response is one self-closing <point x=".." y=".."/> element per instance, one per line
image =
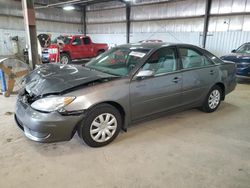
<point x="58" y="78"/>
<point x="236" y="57"/>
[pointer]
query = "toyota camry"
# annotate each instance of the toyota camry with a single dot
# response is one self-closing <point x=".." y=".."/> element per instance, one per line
<point x="121" y="86"/>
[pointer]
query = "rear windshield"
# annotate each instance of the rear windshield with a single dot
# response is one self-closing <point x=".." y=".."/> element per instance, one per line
<point x="244" y="49"/>
<point x="63" y="39"/>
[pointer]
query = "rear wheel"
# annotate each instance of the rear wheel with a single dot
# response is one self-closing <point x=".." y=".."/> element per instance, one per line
<point x="65" y="58"/>
<point x="100" y="126"/>
<point x="213" y="100"/>
<point x="100" y="52"/>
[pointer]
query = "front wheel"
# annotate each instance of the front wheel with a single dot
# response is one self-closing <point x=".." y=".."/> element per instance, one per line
<point x="100" y="126"/>
<point x="213" y="100"/>
<point x="65" y="58"/>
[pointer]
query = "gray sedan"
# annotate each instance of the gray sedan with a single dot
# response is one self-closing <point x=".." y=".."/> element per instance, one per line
<point x="126" y="84"/>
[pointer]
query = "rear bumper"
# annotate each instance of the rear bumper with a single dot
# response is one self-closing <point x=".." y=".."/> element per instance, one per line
<point x="45" y="127"/>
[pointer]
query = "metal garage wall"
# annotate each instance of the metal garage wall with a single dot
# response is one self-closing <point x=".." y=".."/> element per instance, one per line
<point x="230" y="6"/>
<point x="174" y="21"/>
<point x="180" y="25"/>
<point x="105" y="24"/>
<point x="100" y="16"/>
<point x="14" y="8"/>
<point x="12" y="26"/>
<point x="53" y="21"/>
<point x="110" y="39"/>
<point x="7" y="34"/>
<point x="168" y="10"/>
<point x="230" y="31"/>
<point x="171" y="37"/>
<point x="181" y="30"/>
<point x="221" y="43"/>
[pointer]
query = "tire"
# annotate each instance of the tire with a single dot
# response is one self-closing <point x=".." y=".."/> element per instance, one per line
<point x="213" y="99"/>
<point x="109" y="127"/>
<point x="65" y="58"/>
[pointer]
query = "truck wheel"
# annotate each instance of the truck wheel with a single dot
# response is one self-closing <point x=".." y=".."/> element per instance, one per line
<point x="100" y="52"/>
<point x="65" y="59"/>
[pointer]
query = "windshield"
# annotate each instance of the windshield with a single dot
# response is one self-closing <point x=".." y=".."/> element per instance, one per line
<point x="244" y="49"/>
<point x="118" y="61"/>
<point x="62" y="39"/>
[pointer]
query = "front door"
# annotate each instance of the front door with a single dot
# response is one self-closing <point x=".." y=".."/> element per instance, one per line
<point x="76" y="48"/>
<point x="160" y="92"/>
<point x="87" y="49"/>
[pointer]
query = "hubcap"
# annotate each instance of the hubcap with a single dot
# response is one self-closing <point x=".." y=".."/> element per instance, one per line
<point x="64" y="60"/>
<point x="214" y="99"/>
<point x="103" y="127"/>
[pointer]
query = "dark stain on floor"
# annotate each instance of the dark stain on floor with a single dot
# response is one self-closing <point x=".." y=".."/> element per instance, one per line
<point x="9" y="139"/>
<point x="9" y="113"/>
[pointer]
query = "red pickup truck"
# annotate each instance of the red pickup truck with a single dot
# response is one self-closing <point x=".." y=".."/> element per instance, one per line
<point x="74" y="47"/>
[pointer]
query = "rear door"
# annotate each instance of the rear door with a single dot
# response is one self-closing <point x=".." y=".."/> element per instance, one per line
<point x="160" y="92"/>
<point x="199" y="74"/>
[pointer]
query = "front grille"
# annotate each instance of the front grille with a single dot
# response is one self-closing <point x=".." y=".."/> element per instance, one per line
<point x="243" y="65"/>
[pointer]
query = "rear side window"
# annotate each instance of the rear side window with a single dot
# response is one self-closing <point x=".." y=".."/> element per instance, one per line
<point x="193" y="59"/>
<point x="86" y="40"/>
<point x="162" y="61"/>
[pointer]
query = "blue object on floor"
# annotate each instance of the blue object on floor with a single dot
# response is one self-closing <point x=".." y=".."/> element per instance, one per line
<point x="2" y="77"/>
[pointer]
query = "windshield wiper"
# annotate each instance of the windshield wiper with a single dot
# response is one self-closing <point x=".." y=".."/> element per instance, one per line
<point x="106" y="71"/>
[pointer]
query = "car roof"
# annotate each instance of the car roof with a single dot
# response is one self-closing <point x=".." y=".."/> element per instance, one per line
<point x="154" y="45"/>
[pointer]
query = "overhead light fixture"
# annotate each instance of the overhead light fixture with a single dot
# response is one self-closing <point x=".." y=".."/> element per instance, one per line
<point x="68" y="7"/>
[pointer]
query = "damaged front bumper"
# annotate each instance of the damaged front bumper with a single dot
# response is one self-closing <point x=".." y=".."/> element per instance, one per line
<point x="45" y="127"/>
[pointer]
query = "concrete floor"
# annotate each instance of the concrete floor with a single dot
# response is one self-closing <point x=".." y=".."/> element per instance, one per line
<point x="188" y="149"/>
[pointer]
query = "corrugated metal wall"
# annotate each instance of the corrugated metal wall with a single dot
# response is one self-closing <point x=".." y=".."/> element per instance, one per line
<point x="224" y="42"/>
<point x="54" y="21"/>
<point x="7" y="34"/>
<point x="173" y="21"/>
<point x="168" y="10"/>
<point x="170" y="21"/>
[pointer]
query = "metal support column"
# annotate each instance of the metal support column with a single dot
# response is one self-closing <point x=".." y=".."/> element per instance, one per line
<point x="30" y="28"/>
<point x="84" y="23"/>
<point x="206" y="22"/>
<point x="128" y="22"/>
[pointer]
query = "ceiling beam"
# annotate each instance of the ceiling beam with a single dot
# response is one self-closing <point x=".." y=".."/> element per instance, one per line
<point x="72" y="2"/>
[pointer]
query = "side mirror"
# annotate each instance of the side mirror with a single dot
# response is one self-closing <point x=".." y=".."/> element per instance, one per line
<point x="74" y="43"/>
<point x="233" y="51"/>
<point x="145" y="74"/>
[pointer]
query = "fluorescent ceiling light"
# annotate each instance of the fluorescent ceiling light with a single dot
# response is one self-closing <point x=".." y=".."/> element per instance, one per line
<point x="68" y="7"/>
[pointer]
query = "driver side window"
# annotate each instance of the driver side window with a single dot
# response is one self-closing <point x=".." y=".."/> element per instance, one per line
<point x="77" y="41"/>
<point x="162" y="61"/>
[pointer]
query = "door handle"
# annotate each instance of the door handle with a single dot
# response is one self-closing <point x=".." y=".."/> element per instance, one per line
<point x="212" y="72"/>
<point x="176" y="79"/>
